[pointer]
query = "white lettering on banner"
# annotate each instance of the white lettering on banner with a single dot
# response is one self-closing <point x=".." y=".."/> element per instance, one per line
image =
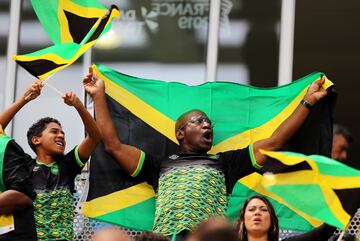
<point x="190" y="14"/>
<point x="180" y="9"/>
<point x="192" y="22"/>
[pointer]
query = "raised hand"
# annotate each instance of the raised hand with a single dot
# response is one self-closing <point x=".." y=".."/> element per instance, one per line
<point x="71" y="99"/>
<point x="33" y="91"/>
<point x="316" y="92"/>
<point x="92" y="84"/>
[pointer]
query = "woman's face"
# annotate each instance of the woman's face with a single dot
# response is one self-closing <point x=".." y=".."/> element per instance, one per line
<point x="257" y="217"/>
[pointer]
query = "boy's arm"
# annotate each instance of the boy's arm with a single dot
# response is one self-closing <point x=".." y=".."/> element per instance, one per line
<point x="30" y="93"/>
<point x="87" y="146"/>
<point x="127" y="156"/>
<point x="291" y="125"/>
<point x="12" y="200"/>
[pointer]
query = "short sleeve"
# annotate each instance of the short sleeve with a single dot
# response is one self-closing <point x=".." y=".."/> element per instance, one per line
<point x="72" y="162"/>
<point x="17" y="170"/>
<point x="238" y="164"/>
<point x="148" y="169"/>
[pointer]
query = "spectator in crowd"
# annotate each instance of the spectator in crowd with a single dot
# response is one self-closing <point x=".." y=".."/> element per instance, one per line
<point x="181" y="203"/>
<point x="214" y="229"/>
<point x="110" y="234"/>
<point x="53" y="173"/>
<point x="258" y="222"/>
<point x="150" y="236"/>
<point x="342" y="139"/>
<point x="17" y="192"/>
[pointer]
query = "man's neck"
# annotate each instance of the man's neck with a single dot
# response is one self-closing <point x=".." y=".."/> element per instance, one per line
<point x="185" y="150"/>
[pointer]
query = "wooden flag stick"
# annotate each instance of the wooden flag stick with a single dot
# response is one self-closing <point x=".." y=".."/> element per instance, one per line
<point x="45" y="82"/>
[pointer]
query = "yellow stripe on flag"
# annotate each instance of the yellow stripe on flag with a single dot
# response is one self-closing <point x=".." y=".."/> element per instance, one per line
<point x="118" y="200"/>
<point x="147" y="113"/>
<point x="78" y="10"/>
<point x="254" y="182"/>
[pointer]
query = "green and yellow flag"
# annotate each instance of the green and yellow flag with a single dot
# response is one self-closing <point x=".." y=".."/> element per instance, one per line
<point x="315" y="187"/>
<point x="73" y="26"/>
<point x="324" y="185"/>
<point x="144" y="112"/>
<point x="6" y="220"/>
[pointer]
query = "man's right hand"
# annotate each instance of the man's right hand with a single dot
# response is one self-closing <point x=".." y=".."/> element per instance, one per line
<point x="93" y="85"/>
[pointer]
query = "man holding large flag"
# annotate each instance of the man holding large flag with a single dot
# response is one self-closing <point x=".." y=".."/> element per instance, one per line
<point x="193" y="185"/>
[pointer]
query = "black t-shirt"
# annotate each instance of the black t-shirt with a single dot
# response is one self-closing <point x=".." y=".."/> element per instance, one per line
<point x="234" y="164"/>
<point x="322" y="233"/>
<point x="192" y="187"/>
<point x="16" y="176"/>
<point x="54" y="204"/>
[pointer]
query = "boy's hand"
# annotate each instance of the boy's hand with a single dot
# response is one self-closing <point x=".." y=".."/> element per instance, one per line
<point x="71" y="99"/>
<point x="315" y="92"/>
<point x="33" y="91"/>
<point x="93" y="85"/>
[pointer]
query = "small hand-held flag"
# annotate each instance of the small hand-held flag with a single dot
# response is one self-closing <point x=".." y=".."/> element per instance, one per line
<point x="73" y="26"/>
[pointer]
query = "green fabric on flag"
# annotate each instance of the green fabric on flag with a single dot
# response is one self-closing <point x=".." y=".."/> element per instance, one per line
<point x="130" y="220"/>
<point x="4" y="140"/>
<point x="6" y="220"/>
<point x="320" y="184"/>
<point x="49" y="15"/>
<point x="288" y="219"/>
<point x="73" y="26"/>
<point x="144" y="112"/>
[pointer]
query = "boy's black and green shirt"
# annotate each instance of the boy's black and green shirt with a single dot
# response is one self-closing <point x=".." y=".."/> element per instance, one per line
<point x="54" y="204"/>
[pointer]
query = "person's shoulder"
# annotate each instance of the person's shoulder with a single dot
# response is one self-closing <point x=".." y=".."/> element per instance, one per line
<point x="232" y="152"/>
<point x="14" y="148"/>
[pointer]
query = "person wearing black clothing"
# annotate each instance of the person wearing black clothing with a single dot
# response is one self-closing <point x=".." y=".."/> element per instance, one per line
<point x="258" y="221"/>
<point x="17" y="192"/>
<point x="183" y="179"/>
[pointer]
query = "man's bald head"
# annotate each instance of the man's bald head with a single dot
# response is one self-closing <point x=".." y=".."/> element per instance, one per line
<point x="185" y="117"/>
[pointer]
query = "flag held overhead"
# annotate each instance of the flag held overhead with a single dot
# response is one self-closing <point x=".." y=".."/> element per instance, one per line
<point x="144" y="113"/>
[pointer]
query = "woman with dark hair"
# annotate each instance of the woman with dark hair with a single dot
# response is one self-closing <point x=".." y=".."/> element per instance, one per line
<point x="258" y="222"/>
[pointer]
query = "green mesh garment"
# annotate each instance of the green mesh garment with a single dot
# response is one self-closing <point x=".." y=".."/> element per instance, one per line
<point x="186" y="196"/>
<point x="54" y="215"/>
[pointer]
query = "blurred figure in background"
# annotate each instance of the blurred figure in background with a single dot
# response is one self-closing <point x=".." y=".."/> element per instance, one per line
<point x="110" y="234"/>
<point x="342" y="139"/>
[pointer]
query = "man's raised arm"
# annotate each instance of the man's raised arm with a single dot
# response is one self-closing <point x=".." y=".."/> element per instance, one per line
<point x="292" y="124"/>
<point x="127" y="156"/>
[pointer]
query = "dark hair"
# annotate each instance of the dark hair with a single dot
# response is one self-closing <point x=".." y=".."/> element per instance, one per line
<point x="220" y="234"/>
<point x="341" y="130"/>
<point x="150" y="236"/>
<point x="37" y="128"/>
<point x="215" y="228"/>
<point x="273" y="233"/>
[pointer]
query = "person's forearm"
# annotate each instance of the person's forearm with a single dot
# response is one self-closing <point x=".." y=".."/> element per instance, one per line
<point x="11" y="111"/>
<point x="104" y="121"/>
<point x="289" y="127"/>
<point x="12" y="200"/>
<point x="282" y="134"/>
<point x="89" y="123"/>
<point x="127" y="156"/>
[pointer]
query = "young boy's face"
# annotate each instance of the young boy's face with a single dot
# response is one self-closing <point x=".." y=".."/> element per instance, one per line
<point x="52" y="139"/>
